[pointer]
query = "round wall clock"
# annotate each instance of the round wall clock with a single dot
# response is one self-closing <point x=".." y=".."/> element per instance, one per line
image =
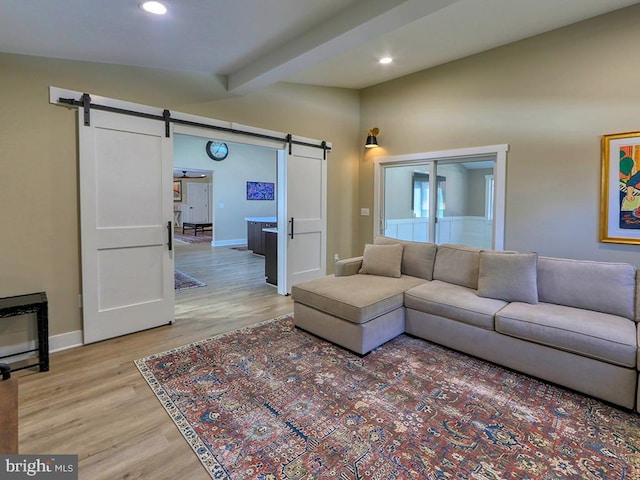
<point x="217" y="150"/>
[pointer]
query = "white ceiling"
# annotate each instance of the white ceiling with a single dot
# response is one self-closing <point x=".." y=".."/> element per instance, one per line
<point x="246" y="45"/>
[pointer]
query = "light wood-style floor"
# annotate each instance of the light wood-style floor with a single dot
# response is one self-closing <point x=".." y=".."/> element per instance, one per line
<point x="94" y="402"/>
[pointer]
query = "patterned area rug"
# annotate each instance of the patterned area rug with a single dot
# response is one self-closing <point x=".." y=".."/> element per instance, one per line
<point x="190" y="238"/>
<point x="273" y="402"/>
<point x="182" y="281"/>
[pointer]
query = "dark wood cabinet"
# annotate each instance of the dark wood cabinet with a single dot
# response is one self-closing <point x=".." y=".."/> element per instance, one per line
<point x="270" y="241"/>
<point x="251" y="238"/>
<point x="254" y="235"/>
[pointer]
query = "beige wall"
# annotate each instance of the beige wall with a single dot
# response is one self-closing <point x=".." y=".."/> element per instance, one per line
<point x="39" y="248"/>
<point x="551" y="98"/>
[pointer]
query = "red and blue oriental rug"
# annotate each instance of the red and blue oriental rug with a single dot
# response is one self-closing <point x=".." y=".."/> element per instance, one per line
<point x="182" y="281"/>
<point x="273" y="402"/>
<point x="189" y="237"/>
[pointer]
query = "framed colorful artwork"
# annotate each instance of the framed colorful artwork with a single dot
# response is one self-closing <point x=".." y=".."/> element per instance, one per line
<point x="260" y="191"/>
<point x="620" y="188"/>
<point x="177" y="190"/>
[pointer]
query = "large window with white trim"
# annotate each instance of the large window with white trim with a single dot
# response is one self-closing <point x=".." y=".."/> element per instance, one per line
<point x="445" y="197"/>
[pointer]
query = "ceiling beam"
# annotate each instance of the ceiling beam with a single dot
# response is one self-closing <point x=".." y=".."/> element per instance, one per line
<point x="362" y="21"/>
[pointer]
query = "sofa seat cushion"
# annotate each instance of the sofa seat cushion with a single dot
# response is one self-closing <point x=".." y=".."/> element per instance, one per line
<point x="454" y="302"/>
<point x="356" y="298"/>
<point x="597" y="335"/>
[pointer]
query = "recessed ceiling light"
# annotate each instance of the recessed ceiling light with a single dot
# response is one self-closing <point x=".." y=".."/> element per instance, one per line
<point x="154" y="7"/>
<point x="385" y="60"/>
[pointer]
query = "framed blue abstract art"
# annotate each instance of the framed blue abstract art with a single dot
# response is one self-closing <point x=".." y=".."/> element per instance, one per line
<point x="260" y="191"/>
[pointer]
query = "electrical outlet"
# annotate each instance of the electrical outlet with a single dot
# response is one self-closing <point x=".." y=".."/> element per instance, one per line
<point x="364" y="212"/>
<point x="336" y="257"/>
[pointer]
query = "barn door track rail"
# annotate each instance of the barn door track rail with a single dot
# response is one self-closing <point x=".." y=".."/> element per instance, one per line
<point x="85" y="103"/>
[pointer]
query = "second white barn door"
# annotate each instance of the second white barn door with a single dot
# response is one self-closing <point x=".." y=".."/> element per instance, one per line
<point x="303" y="216"/>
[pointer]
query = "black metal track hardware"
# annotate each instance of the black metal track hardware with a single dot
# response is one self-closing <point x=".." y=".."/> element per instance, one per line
<point x="166" y="114"/>
<point x="226" y="129"/>
<point x="86" y="104"/>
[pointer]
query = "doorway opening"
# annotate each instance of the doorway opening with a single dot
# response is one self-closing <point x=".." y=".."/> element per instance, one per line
<point x="216" y="192"/>
<point x="192" y="203"/>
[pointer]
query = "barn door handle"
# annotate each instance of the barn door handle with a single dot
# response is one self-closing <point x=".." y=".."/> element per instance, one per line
<point x="291" y="222"/>
<point x="169" y="236"/>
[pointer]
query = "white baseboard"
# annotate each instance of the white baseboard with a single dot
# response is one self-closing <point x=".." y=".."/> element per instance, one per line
<point x="228" y="243"/>
<point x="57" y="343"/>
<point x="64" y="341"/>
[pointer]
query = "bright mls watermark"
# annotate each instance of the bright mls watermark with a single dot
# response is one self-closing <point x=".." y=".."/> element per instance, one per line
<point x="50" y="467"/>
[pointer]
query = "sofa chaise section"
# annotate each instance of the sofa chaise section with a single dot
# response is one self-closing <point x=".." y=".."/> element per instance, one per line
<point x="359" y="312"/>
<point x="362" y="305"/>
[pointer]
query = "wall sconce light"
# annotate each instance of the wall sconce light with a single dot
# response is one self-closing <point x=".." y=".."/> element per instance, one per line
<point x="372" y="141"/>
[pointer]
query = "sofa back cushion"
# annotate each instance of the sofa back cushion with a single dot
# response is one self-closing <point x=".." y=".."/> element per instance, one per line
<point x="417" y="257"/>
<point x="599" y="286"/>
<point x="457" y="264"/>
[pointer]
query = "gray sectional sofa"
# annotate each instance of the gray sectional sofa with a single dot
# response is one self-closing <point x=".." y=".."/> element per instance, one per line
<point x="570" y="322"/>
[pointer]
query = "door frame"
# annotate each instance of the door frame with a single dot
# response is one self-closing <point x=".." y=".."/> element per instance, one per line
<point x="497" y="152"/>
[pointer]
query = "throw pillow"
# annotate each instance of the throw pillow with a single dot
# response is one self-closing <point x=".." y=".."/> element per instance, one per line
<point x="511" y="277"/>
<point x="383" y="260"/>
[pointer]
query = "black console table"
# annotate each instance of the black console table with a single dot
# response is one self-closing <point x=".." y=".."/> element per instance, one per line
<point x="22" y="305"/>
<point x="197" y="227"/>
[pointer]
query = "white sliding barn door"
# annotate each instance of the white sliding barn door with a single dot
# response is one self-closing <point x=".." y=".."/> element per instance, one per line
<point x="302" y="215"/>
<point x="126" y="170"/>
